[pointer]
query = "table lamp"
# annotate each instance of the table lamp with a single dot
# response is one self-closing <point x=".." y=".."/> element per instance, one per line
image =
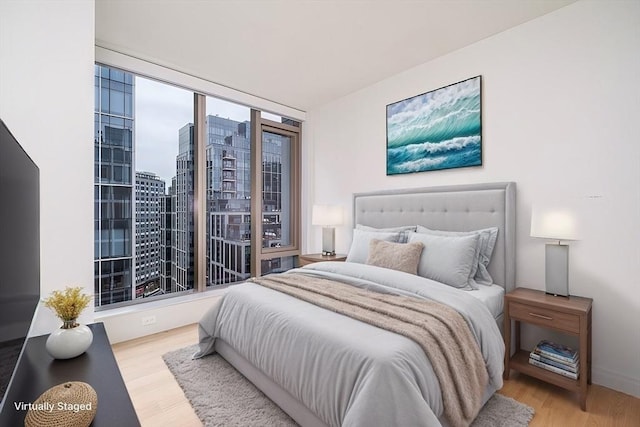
<point x="327" y="216"/>
<point x="556" y="224"/>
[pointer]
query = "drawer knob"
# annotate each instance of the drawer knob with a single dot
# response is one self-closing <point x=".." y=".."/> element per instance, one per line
<point x="541" y="316"/>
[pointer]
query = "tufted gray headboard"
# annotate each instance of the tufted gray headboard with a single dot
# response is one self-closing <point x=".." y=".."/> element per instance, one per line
<point x="451" y="208"/>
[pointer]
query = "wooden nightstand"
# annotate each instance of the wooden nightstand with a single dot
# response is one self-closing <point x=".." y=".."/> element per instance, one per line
<point x="569" y="315"/>
<point x="311" y="258"/>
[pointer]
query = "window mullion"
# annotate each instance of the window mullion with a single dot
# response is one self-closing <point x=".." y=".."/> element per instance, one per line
<point x="199" y="193"/>
<point x="256" y="193"/>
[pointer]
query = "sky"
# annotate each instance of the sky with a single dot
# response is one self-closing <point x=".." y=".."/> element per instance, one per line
<point x="160" y="111"/>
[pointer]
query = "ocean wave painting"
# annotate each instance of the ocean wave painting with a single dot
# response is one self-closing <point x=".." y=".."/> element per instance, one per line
<point x="441" y="129"/>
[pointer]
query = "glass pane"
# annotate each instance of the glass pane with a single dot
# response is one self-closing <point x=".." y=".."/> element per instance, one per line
<point x="279" y="119"/>
<point x="113" y="282"/>
<point x="228" y="180"/>
<point x="144" y="173"/>
<point x="276" y="190"/>
<point x="164" y="174"/>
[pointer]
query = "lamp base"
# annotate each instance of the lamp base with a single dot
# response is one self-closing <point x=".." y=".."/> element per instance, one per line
<point x="328" y="241"/>
<point x="557" y="269"/>
<point x="556" y="295"/>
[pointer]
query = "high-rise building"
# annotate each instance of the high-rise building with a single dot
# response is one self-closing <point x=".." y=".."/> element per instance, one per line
<point x="150" y="200"/>
<point x="167" y="222"/>
<point x="183" y="227"/>
<point x="228" y="152"/>
<point x="113" y="180"/>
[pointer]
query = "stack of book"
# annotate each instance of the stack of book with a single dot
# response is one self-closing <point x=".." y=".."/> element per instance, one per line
<point x="556" y="358"/>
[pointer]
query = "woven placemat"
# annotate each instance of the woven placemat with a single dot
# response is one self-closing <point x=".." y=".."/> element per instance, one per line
<point x="71" y="404"/>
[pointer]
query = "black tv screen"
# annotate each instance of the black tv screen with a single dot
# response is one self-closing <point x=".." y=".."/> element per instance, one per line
<point x="19" y="251"/>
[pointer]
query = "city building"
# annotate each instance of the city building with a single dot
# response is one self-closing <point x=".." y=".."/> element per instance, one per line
<point x="167" y="222"/>
<point x="113" y="180"/>
<point x="228" y="153"/>
<point x="149" y="212"/>
<point x="182" y="228"/>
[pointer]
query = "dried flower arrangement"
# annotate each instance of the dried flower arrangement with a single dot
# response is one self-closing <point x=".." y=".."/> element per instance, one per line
<point x="68" y="305"/>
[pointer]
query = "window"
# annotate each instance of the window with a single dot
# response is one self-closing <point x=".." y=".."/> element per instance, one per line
<point x="276" y="193"/>
<point x="164" y="154"/>
<point x="138" y="141"/>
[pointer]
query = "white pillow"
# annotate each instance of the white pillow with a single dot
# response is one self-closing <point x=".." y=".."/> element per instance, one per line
<point x="447" y="259"/>
<point x="486" y="244"/>
<point x="359" y="250"/>
<point x="404" y="230"/>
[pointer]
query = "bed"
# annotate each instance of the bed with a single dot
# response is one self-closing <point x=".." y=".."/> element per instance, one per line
<point x="325" y="368"/>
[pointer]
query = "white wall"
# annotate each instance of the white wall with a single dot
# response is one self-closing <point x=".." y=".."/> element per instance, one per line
<point x="561" y="102"/>
<point x="46" y="99"/>
<point x="134" y="321"/>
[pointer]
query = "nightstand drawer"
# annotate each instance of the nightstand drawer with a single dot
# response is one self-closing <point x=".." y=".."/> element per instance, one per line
<point x="545" y="317"/>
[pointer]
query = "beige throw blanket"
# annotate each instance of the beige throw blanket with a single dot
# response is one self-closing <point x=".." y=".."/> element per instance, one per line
<point x="440" y="330"/>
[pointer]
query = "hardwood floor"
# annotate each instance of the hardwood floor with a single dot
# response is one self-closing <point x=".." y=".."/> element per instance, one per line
<point x="159" y="400"/>
<point x="156" y="396"/>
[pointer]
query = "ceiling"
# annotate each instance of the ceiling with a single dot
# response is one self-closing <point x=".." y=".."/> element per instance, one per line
<point x="302" y="53"/>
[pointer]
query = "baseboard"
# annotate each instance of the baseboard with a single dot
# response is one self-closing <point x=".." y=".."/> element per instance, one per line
<point x="615" y="381"/>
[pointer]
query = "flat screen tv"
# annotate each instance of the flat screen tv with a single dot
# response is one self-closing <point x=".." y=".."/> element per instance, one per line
<point x="19" y="251"/>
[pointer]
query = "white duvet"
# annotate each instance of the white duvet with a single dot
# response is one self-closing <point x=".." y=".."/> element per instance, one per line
<point x="345" y="371"/>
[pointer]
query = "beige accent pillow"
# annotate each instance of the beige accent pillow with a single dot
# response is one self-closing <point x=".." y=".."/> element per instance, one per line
<point x="395" y="256"/>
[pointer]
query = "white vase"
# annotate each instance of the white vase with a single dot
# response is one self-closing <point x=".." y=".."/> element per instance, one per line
<point x="68" y="342"/>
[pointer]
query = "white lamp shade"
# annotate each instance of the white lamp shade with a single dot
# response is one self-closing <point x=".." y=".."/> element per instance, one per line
<point x="550" y="223"/>
<point x="326" y="215"/>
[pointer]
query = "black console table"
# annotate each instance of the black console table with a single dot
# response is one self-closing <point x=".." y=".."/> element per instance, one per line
<point x="37" y="372"/>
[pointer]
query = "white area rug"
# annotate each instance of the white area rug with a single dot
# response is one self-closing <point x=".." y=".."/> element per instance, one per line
<point x="221" y="396"/>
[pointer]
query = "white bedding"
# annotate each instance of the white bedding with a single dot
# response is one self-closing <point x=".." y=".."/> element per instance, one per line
<point x="492" y="296"/>
<point x="345" y="371"/>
